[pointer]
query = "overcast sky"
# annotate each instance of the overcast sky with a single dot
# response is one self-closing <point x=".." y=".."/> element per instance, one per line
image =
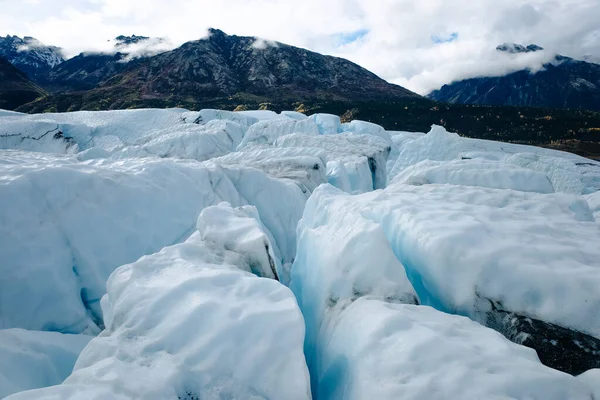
<point x="419" y="44"/>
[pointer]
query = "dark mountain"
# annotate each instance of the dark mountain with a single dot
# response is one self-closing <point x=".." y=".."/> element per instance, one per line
<point x="221" y="67"/>
<point x="123" y="40"/>
<point x="82" y="72"/>
<point x="15" y="88"/>
<point x="87" y="70"/>
<point x="563" y="83"/>
<point x="30" y="55"/>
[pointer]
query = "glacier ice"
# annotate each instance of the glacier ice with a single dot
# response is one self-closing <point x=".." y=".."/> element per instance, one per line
<point x="66" y="225"/>
<point x="266" y="132"/>
<point x="464" y="252"/>
<point x="328" y="124"/>
<point x="191" y="322"/>
<point x="479" y="173"/>
<point x="382" y="350"/>
<point x="367" y="338"/>
<point x="220" y="205"/>
<point x="32" y="359"/>
<point x="356" y="162"/>
<point x="567" y="172"/>
<point x="304" y="166"/>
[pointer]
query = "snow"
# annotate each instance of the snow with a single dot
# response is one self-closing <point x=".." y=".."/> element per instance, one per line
<point x="66" y="225"/>
<point x="31" y="360"/>
<point x="356" y="163"/>
<point x="191" y="322"/>
<point x="267" y="132"/>
<point x="567" y="172"/>
<point x="382" y="350"/>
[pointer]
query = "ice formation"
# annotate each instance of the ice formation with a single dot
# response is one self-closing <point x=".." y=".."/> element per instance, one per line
<point x="420" y="265"/>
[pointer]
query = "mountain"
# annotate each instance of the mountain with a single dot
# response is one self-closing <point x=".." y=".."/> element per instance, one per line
<point x="15" y="88"/>
<point x="218" y="68"/>
<point x="514" y="48"/>
<point x="30" y="55"/>
<point x="86" y="70"/>
<point x="562" y="83"/>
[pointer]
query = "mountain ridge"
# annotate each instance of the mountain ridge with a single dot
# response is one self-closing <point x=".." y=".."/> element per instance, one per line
<point x="563" y="83"/>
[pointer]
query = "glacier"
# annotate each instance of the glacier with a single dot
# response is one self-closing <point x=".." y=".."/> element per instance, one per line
<point x="212" y="254"/>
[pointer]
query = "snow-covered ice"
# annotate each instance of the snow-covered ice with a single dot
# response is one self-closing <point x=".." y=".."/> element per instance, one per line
<point x="31" y="359"/>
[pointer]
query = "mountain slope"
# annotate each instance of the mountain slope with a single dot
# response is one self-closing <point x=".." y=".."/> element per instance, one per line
<point x="30" y="55"/>
<point x="226" y="67"/>
<point x="563" y="83"/>
<point x="86" y="70"/>
<point x="15" y="88"/>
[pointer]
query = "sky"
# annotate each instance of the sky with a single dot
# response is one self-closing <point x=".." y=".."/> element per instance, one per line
<point x="419" y="44"/>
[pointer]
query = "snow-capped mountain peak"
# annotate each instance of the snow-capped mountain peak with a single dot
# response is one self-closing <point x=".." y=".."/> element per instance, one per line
<point x="29" y="54"/>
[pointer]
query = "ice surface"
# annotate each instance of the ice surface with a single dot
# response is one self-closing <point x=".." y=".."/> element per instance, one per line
<point x="86" y="127"/>
<point x="31" y="360"/>
<point x="189" y="322"/>
<point x="190" y="141"/>
<point x="8" y="113"/>
<point x="328" y="124"/>
<point x="242" y="119"/>
<point x="380" y="350"/>
<point x="66" y="225"/>
<point x="294" y="115"/>
<point x="262" y="115"/>
<point x="398" y="140"/>
<point x="357" y="162"/>
<point x="267" y="132"/>
<point x="482" y="173"/>
<point x="366" y="128"/>
<point x="305" y="166"/>
<point x="568" y="173"/>
<point x="506" y="235"/>
<point x="341" y="257"/>
<point x="241" y="231"/>
<point x="463" y="246"/>
<point x="592" y="379"/>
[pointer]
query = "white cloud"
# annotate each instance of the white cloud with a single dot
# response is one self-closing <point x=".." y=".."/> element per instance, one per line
<point x="398" y="45"/>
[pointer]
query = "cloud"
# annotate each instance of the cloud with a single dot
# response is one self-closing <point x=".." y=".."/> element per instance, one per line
<point x="262" y="44"/>
<point x="420" y="44"/>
